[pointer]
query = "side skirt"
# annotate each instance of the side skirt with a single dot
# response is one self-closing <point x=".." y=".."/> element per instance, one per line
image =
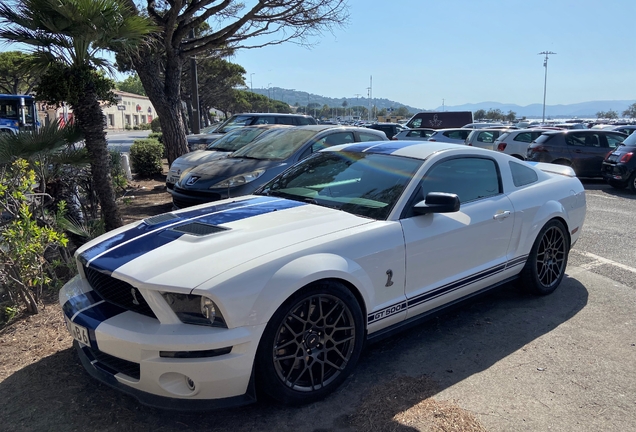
<point x="416" y="320"/>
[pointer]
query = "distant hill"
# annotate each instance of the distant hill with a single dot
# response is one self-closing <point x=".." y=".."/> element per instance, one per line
<point x="292" y="97"/>
<point x="582" y="109"/>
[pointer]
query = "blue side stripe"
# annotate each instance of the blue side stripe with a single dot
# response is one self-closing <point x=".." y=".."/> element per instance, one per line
<point x="118" y="256"/>
<point x="144" y="228"/>
<point x="445" y="289"/>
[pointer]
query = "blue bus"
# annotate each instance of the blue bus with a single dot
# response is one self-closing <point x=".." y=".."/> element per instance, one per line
<point x="18" y="113"/>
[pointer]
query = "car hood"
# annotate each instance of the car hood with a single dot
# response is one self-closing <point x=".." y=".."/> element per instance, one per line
<point x="181" y="250"/>
<point x="222" y="169"/>
<point x="199" y="157"/>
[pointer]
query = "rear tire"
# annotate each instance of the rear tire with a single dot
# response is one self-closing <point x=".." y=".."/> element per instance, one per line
<point x="311" y="344"/>
<point x="548" y="259"/>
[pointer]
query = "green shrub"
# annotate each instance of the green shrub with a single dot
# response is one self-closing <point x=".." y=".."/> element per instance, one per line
<point x="145" y="157"/>
<point x="155" y="126"/>
<point x="156" y="135"/>
<point x="144" y="126"/>
<point x="127" y="127"/>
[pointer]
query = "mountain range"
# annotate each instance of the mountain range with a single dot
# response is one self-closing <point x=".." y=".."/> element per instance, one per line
<point x="582" y="109"/>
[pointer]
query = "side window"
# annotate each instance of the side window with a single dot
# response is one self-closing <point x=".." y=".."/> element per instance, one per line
<point x="457" y="134"/>
<point x="469" y="178"/>
<point x="525" y="137"/>
<point x="285" y="120"/>
<point x="416" y="123"/>
<point x="331" y="140"/>
<point x="575" y="140"/>
<point x="485" y="137"/>
<point x="522" y="175"/>
<point x="302" y="121"/>
<point x="418" y="134"/>
<point x="613" y="140"/>
<point x="264" y="120"/>
<point x="364" y="137"/>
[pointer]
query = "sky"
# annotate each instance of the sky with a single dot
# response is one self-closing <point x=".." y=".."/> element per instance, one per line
<point x="426" y="53"/>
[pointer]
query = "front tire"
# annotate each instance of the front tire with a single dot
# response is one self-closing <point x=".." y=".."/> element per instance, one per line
<point x="548" y="259"/>
<point x="311" y="344"/>
<point x="631" y="183"/>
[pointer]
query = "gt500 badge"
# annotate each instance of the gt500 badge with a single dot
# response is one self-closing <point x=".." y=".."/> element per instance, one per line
<point x="387" y="312"/>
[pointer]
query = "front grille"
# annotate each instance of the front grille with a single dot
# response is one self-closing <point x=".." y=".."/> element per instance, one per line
<point x="118" y="292"/>
<point x="114" y="364"/>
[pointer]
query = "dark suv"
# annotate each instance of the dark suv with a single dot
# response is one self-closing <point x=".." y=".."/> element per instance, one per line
<point x="390" y="129"/>
<point x="583" y="150"/>
<point x="619" y="167"/>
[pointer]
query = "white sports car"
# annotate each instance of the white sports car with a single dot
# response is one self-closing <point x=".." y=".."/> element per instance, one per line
<point x="280" y="290"/>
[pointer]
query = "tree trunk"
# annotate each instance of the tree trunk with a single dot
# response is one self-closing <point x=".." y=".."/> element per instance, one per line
<point x="88" y="114"/>
<point x="162" y="88"/>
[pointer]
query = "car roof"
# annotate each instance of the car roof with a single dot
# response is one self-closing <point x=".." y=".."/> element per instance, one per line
<point x="413" y="149"/>
<point x="321" y="127"/>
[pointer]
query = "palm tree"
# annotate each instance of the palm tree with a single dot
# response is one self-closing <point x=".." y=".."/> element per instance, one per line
<point x="68" y="37"/>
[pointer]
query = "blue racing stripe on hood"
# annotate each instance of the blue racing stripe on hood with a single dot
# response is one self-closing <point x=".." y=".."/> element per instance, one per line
<point x="120" y="255"/>
<point x="145" y="228"/>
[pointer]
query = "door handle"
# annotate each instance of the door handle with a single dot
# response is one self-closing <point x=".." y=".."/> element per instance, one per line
<point x="501" y="215"/>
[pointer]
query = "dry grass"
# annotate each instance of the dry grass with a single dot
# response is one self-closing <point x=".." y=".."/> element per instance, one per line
<point x="405" y="404"/>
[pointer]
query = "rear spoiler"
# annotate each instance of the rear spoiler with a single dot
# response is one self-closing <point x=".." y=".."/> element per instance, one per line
<point x="554" y="168"/>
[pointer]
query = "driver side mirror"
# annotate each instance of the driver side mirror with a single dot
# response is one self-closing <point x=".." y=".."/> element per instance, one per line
<point x="437" y="202"/>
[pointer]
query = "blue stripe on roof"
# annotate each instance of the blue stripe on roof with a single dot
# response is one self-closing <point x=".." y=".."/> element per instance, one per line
<point x="390" y="147"/>
<point x="383" y="147"/>
<point x="115" y="257"/>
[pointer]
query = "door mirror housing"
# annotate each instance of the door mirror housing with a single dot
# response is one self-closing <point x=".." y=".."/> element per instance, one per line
<point x="437" y="202"/>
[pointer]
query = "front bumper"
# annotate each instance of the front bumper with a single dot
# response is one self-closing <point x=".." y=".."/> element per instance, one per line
<point x="182" y="198"/>
<point x="129" y="351"/>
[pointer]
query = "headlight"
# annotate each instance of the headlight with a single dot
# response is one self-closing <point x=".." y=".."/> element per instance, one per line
<point x="239" y="179"/>
<point x="195" y="309"/>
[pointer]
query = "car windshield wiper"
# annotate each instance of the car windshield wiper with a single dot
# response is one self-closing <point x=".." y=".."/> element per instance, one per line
<point x="223" y="149"/>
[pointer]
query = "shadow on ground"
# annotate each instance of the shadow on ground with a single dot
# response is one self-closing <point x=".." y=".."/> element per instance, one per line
<point x="392" y="376"/>
<point x="602" y="186"/>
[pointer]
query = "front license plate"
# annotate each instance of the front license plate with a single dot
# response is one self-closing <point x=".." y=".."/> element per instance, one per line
<point x="78" y="332"/>
<point x="172" y="179"/>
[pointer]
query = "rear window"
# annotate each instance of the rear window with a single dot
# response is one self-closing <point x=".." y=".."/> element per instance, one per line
<point x="630" y="140"/>
<point x="503" y="136"/>
<point x="543" y="139"/>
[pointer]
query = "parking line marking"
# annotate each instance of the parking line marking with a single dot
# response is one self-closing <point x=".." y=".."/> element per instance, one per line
<point x="600" y="261"/>
<point x="602" y="196"/>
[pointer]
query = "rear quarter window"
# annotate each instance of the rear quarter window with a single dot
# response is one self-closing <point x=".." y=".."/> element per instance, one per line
<point x="522" y="175"/>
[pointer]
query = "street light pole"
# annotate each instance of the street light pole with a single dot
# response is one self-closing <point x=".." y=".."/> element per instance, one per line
<point x="251" y="82"/>
<point x="269" y="99"/>
<point x="545" y="81"/>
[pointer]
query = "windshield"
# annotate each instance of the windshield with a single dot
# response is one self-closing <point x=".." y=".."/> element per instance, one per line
<point x="236" y="139"/>
<point x="364" y="184"/>
<point x="235" y="122"/>
<point x="276" y="146"/>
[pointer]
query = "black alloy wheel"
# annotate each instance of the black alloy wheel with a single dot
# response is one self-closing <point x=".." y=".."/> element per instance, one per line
<point x="311" y="344"/>
<point x="548" y="259"/>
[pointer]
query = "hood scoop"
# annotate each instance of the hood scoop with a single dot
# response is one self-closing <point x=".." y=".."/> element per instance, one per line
<point x="160" y="218"/>
<point x="199" y="229"/>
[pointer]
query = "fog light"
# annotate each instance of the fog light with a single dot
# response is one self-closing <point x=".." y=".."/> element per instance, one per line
<point x="190" y="383"/>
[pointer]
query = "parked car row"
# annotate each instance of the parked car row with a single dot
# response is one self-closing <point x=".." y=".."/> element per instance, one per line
<point x="197" y="180"/>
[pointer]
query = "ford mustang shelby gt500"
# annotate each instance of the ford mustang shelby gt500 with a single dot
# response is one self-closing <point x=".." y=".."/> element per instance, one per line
<point x="279" y="290"/>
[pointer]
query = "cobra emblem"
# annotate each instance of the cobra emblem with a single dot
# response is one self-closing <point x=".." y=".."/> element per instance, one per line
<point x="134" y="294"/>
<point x="389" y="277"/>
